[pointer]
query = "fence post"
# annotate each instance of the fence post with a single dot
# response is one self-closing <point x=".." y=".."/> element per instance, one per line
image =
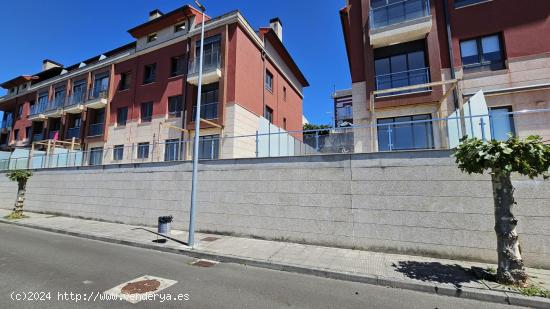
<point x="389" y="138"/>
<point x="317" y="141"/>
<point x="269" y="140"/>
<point x="257" y="146"/>
<point x="482" y="124"/>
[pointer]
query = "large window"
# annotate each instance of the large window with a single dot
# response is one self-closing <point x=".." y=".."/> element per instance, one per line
<point x="118" y="152"/>
<point x="96" y="156"/>
<point x="407" y="132"/>
<point x="149" y="73"/>
<point x="143" y="151"/>
<point x="212" y="55"/>
<point x="101" y="85"/>
<point x="173" y="150"/>
<point x="79" y="92"/>
<point x="209" y="147"/>
<point x="483" y="53"/>
<point x="122" y="116"/>
<point x="502" y="122"/>
<point x="389" y="12"/>
<point x="175" y="105"/>
<point x="401" y="66"/>
<point x="125" y="80"/>
<point x="146" y="112"/>
<point x="176" y="66"/>
<point x="209" y="102"/>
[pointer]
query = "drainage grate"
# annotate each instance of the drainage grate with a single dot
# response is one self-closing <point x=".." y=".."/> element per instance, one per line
<point x="204" y="263"/>
<point x="209" y="238"/>
<point x="140" y="287"/>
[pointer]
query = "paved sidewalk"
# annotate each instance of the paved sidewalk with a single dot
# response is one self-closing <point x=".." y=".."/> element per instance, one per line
<point x="441" y="276"/>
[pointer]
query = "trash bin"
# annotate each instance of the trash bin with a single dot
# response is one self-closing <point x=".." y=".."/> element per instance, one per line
<point x="164" y="225"/>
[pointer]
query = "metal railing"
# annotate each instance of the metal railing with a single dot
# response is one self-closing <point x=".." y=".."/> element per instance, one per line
<point x="56" y="103"/>
<point x="39" y="107"/>
<point x="7" y="122"/>
<point x="211" y="61"/>
<point x="73" y="132"/>
<point x="38" y="137"/>
<point x="385" y="135"/>
<point x="95" y="129"/>
<point x="98" y="93"/>
<point x="398" y="12"/>
<point x="402" y="79"/>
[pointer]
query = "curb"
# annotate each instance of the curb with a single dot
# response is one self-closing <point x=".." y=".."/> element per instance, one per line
<point x="492" y="296"/>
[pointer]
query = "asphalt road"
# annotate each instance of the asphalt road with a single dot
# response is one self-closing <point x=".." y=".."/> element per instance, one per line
<point x="35" y="263"/>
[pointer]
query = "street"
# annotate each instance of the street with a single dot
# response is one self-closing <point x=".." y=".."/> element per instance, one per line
<point x="44" y="263"/>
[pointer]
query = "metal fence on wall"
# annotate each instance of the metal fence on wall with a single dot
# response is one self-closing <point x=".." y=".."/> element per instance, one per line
<point x="417" y="132"/>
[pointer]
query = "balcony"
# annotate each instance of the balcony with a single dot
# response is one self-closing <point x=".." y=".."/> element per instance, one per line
<point x="55" y="108"/>
<point x="75" y="103"/>
<point x="403" y="79"/>
<point x="73" y="132"/>
<point x="97" y="98"/>
<point x="211" y="69"/>
<point x="399" y="22"/>
<point x="38" y="111"/>
<point x="7" y="123"/>
<point x="95" y="129"/>
<point x="52" y="135"/>
<point x="37" y="137"/>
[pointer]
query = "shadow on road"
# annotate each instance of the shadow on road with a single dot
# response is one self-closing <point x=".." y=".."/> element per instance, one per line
<point x="436" y="272"/>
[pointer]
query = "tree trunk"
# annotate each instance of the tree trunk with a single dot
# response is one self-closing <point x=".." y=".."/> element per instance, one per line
<point x="21" y="189"/>
<point x="510" y="264"/>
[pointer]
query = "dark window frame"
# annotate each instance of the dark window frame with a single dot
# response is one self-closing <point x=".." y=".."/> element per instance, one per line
<point x="125" y="81"/>
<point x="178" y="27"/>
<point x="268" y="82"/>
<point x="482" y="64"/>
<point x="151" y="37"/>
<point x="121" y="121"/>
<point x="268" y="113"/>
<point x="118" y="152"/>
<point x="143" y="150"/>
<point x="177" y="65"/>
<point x="176" y="109"/>
<point x="210" y="102"/>
<point x="146" y="118"/>
<point x="149" y="73"/>
<point x="395" y="123"/>
<point x="463" y="3"/>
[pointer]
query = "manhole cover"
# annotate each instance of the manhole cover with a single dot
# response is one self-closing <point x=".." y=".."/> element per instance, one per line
<point x="210" y="238"/>
<point x="140" y="287"/>
<point x="204" y="263"/>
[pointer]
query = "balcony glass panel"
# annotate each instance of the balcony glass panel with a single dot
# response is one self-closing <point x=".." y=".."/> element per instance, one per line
<point x="73" y="132"/>
<point x="389" y="12"/>
<point x="41" y="106"/>
<point x="95" y="129"/>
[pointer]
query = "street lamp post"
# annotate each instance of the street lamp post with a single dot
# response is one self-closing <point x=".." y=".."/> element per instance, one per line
<point x="191" y="240"/>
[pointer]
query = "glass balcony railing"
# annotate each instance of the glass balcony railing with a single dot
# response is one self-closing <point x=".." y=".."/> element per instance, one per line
<point x="212" y="61"/>
<point x="39" y="108"/>
<point x="58" y="102"/>
<point x="96" y="129"/>
<point x="38" y="137"/>
<point x="76" y="98"/>
<point x="7" y="122"/>
<point x="397" y="12"/>
<point x="73" y="132"/>
<point x="403" y="79"/>
<point x="98" y="93"/>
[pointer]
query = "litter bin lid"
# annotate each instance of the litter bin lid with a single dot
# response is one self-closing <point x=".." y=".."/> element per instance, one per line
<point x="165" y="219"/>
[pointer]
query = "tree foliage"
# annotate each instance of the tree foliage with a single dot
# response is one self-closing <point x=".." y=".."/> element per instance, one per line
<point x="19" y="175"/>
<point x="529" y="157"/>
<point x="320" y="127"/>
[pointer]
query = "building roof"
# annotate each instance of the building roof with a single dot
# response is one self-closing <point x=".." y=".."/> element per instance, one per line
<point x="165" y="20"/>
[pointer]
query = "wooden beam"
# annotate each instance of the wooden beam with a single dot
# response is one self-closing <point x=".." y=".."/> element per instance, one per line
<point x="440" y="83"/>
<point x="173" y="127"/>
<point x="447" y="94"/>
<point x="211" y="123"/>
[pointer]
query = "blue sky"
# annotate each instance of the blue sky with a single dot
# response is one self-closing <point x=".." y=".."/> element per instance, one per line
<point x="70" y="31"/>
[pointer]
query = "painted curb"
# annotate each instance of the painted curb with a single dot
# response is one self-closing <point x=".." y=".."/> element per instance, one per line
<point x="465" y="292"/>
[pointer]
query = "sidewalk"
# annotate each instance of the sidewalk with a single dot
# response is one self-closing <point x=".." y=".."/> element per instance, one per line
<point x="441" y="276"/>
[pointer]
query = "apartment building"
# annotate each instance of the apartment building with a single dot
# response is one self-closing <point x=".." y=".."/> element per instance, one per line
<point x="138" y="100"/>
<point x="439" y="53"/>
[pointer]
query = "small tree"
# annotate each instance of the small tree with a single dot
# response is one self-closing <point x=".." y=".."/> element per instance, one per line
<point x="529" y="158"/>
<point x="21" y="177"/>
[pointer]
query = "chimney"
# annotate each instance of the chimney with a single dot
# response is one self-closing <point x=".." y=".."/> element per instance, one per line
<point x="156" y="13"/>
<point x="48" y="64"/>
<point x="277" y="26"/>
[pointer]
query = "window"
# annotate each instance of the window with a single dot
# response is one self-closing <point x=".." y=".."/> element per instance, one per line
<point x="268" y="80"/>
<point x="483" y="53"/>
<point x="20" y="111"/>
<point x="209" y="146"/>
<point x="79" y="92"/>
<point x="146" y="112"/>
<point x="125" y="80"/>
<point x="118" y="152"/>
<point x="209" y="102"/>
<point x="149" y="73"/>
<point x="268" y="113"/>
<point x="173" y="150"/>
<point x="121" y="116"/>
<point x="502" y="122"/>
<point x="101" y="85"/>
<point x="212" y="56"/>
<point x="179" y="27"/>
<point x="59" y="97"/>
<point x="31" y="107"/>
<point x="461" y="3"/>
<point x="96" y="156"/>
<point x="400" y="66"/>
<point x="143" y="151"/>
<point x="284" y="123"/>
<point x="176" y="66"/>
<point x="400" y="133"/>
<point x="175" y="105"/>
<point x="284" y="93"/>
<point x="28" y="132"/>
<point x="152" y="37"/>
<point x="16" y="134"/>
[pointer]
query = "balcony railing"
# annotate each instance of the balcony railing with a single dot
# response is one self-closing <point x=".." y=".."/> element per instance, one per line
<point x="76" y="99"/>
<point x="57" y="103"/>
<point x="38" y="137"/>
<point x="39" y="108"/>
<point x="7" y="122"/>
<point x="52" y="134"/>
<point x="96" y="129"/>
<point x="398" y="12"/>
<point x="212" y="61"/>
<point x="403" y="79"/>
<point x="73" y="132"/>
<point x="98" y="93"/>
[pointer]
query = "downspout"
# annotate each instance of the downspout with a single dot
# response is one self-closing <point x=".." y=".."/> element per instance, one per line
<point x="262" y="113"/>
<point x="450" y="50"/>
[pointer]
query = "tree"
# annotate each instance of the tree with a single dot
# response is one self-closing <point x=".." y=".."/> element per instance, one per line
<point x="529" y="158"/>
<point x="21" y="177"/>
